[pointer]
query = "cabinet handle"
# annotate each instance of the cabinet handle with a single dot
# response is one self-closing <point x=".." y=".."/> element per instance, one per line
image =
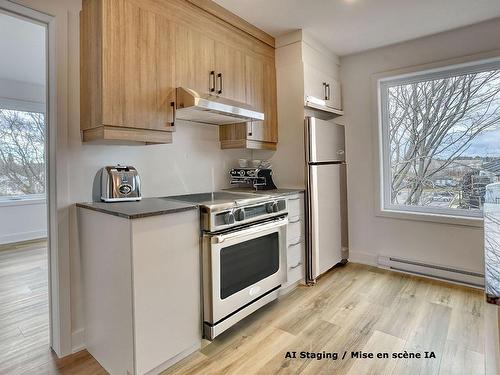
<point x="295" y="221"/>
<point x="328" y="91"/>
<point x="212" y="81"/>
<point x="324" y="91"/>
<point x="296" y="243"/>
<point x="297" y="265"/>
<point x="220" y="83"/>
<point x="294" y="199"/>
<point x="172" y="104"/>
<point x="251" y="129"/>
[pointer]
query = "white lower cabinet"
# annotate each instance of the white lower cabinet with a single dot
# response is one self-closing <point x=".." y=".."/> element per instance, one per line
<point x="141" y="289"/>
<point x="296" y="246"/>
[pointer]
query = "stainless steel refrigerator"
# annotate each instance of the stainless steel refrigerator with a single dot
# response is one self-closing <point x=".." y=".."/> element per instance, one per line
<point x="327" y="239"/>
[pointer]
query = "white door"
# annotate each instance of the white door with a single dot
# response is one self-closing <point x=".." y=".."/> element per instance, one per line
<point x="326" y="217"/>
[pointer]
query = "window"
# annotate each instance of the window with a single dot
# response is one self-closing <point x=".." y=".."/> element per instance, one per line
<point x="440" y="139"/>
<point x="22" y="154"/>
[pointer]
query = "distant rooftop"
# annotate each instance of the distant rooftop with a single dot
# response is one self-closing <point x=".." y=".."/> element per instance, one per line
<point x="492" y="166"/>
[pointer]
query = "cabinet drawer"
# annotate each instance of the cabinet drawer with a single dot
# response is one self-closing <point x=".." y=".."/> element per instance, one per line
<point x="295" y="230"/>
<point x="296" y="274"/>
<point x="296" y="205"/>
<point x="295" y="262"/>
<point x="295" y="254"/>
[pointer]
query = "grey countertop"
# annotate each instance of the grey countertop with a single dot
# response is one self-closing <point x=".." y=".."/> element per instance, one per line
<point x="162" y="206"/>
<point x="139" y="209"/>
<point x="275" y="192"/>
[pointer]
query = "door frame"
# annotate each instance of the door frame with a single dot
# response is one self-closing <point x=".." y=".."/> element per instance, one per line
<point x="58" y="260"/>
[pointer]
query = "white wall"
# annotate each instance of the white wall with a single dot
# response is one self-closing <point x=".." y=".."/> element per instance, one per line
<point x="369" y="235"/>
<point x="22" y="96"/>
<point x="21" y="221"/>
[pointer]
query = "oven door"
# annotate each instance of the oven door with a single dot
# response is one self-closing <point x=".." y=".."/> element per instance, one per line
<point x="241" y="266"/>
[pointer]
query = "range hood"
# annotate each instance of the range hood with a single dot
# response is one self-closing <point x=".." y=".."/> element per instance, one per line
<point x="211" y="109"/>
<point x="320" y="106"/>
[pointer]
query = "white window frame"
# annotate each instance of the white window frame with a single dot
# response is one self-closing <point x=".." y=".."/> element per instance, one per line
<point x="23" y="106"/>
<point x="387" y="208"/>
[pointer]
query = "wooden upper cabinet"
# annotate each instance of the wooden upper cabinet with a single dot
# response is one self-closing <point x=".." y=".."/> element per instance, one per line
<point x="127" y="72"/>
<point x="134" y="54"/>
<point x="209" y="66"/>
<point x="260" y="92"/>
<point x="230" y="72"/>
<point x="194" y="59"/>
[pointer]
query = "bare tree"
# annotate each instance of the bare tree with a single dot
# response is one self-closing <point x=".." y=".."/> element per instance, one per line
<point x="22" y="152"/>
<point x="432" y="123"/>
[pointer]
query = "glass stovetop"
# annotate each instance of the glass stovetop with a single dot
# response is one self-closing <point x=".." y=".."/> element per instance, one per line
<point x="217" y="197"/>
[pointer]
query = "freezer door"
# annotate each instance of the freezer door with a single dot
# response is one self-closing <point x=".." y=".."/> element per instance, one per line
<point x="325" y="141"/>
<point x="325" y="217"/>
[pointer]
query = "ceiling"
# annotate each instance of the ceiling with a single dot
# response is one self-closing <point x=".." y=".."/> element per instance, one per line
<point x="350" y="26"/>
<point x="22" y="46"/>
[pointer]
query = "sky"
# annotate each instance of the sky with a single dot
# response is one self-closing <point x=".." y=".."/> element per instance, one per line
<point x="485" y="144"/>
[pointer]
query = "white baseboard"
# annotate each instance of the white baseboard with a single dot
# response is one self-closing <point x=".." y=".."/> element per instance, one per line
<point x="431" y="270"/>
<point x="22" y="236"/>
<point x="78" y="340"/>
<point x="363" y="258"/>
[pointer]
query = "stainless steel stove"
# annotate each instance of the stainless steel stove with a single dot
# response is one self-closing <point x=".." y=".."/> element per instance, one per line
<point x="222" y="210"/>
<point x="243" y="254"/>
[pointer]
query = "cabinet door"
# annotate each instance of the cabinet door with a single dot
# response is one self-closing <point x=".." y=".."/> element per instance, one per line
<point x="138" y="70"/>
<point x="261" y="93"/>
<point x="230" y="62"/>
<point x="334" y="94"/>
<point x="166" y="288"/>
<point x="314" y="83"/>
<point x="194" y="59"/>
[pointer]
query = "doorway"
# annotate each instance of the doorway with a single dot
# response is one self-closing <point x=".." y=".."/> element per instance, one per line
<point x="25" y="321"/>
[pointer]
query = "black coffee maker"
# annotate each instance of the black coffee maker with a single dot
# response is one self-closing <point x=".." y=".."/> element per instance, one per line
<point x="257" y="178"/>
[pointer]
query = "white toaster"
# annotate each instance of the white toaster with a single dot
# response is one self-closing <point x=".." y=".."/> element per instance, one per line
<point x="120" y="183"/>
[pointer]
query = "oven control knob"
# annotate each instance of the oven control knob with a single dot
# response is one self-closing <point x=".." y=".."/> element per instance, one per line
<point x="275" y="207"/>
<point x="229" y="218"/>
<point x="239" y="214"/>
<point x="272" y="207"/>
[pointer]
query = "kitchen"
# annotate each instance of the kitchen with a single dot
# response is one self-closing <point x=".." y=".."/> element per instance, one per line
<point x="149" y="71"/>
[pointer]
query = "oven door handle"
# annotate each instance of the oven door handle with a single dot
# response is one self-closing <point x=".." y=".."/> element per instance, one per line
<point x="249" y="231"/>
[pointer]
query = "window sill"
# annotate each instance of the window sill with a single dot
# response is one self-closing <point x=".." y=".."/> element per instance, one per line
<point x="476" y="222"/>
<point x="7" y="202"/>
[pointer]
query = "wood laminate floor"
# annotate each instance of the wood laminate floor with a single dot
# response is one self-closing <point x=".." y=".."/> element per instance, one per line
<point x="24" y="316"/>
<point x="353" y="308"/>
